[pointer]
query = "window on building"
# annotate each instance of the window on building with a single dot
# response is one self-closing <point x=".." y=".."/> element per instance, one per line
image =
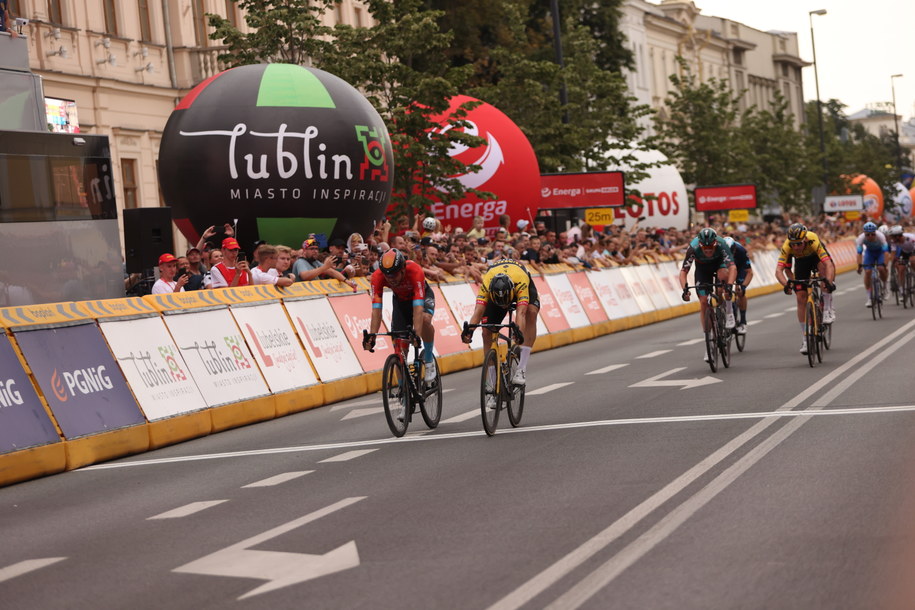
<point x="54" y="12"/>
<point x="200" y="22"/>
<point x="737" y="57"/>
<point x="785" y="70"/>
<point x="338" y="12"/>
<point x="357" y="16"/>
<point x="129" y="179"/>
<point x="145" y="26"/>
<point x="111" y="17"/>
<point x="232" y="13"/>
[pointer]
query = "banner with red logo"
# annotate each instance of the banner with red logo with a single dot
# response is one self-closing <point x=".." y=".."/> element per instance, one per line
<point x="217" y="356"/>
<point x="587" y="296"/>
<point x="568" y="300"/>
<point x="153" y="366"/>
<point x="275" y="346"/>
<point x="324" y="339"/>
<point x="725" y="197"/>
<point x="461" y="300"/>
<point x="80" y="380"/>
<point x="550" y="309"/>
<point x="355" y="312"/>
<point x="583" y="190"/>
<point x="23" y="420"/>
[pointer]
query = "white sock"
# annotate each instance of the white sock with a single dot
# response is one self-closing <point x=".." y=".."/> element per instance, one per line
<point x="827" y="301"/>
<point x="525" y="355"/>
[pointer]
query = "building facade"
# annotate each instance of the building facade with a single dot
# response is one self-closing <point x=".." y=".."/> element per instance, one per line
<point x="126" y="64"/>
<point x="755" y="63"/>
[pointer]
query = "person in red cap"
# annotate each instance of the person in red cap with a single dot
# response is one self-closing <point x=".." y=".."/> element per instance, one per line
<point x="168" y="267"/>
<point x="231" y="271"/>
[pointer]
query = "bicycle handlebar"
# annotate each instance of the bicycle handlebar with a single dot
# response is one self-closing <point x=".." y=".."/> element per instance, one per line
<point x="515" y="330"/>
<point x="408" y="334"/>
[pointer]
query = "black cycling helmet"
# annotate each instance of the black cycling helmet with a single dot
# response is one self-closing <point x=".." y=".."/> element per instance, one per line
<point x="708" y="237"/>
<point x="500" y="290"/>
<point x="392" y="262"/>
<point x="797" y="232"/>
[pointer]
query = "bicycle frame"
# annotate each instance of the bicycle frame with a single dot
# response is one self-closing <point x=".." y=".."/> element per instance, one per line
<point x="815" y="332"/>
<point x="717" y="335"/>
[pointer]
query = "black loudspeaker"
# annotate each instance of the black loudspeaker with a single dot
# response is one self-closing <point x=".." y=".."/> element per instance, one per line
<point x="147" y="235"/>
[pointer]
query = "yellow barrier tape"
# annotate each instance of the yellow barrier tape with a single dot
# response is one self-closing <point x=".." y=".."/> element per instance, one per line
<point x="45" y="313"/>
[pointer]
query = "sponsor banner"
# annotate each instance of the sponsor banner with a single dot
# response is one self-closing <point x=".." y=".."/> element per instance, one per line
<point x="639" y="291"/>
<point x="153" y="366"/>
<point x="852" y="215"/>
<point x="764" y="267"/>
<point x="615" y="294"/>
<point x="324" y="339"/>
<point x="658" y="296"/>
<point x="550" y="307"/>
<point x="725" y="197"/>
<point x="461" y="299"/>
<point x="275" y="346"/>
<point x="23" y="421"/>
<point x="355" y="312"/>
<point x="217" y="356"/>
<point x="738" y="215"/>
<point x="587" y="297"/>
<point x="668" y="276"/>
<point x="843" y="203"/>
<point x="567" y="300"/>
<point x="79" y="379"/>
<point x="665" y="202"/>
<point x="447" y="329"/>
<point x="585" y="190"/>
<point x="843" y="253"/>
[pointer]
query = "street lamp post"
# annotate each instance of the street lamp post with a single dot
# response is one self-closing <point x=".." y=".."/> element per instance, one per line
<point x="816" y="78"/>
<point x="896" y="122"/>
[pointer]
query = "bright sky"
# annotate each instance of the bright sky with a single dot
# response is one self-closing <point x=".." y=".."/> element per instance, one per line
<point x="859" y="45"/>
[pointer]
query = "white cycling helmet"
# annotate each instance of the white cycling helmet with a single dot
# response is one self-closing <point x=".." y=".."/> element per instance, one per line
<point x="729" y="241"/>
<point x="896" y="230"/>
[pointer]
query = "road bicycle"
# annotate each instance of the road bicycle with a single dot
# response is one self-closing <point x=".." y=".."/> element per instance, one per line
<point x="907" y="289"/>
<point x="876" y="292"/>
<point x="817" y="334"/>
<point x="497" y="391"/>
<point x="402" y="384"/>
<point x="740" y="339"/>
<point x="897" y="293"/>
<point x="717" y="335"/>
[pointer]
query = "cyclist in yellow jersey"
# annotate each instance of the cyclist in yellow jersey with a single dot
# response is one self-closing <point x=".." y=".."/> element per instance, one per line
<point x="805" y="249"/>
<point x="507" y="283"/>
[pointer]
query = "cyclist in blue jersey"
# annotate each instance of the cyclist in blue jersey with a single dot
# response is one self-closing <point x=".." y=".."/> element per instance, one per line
<point x="744" y="277"/>
<point x="872" y="249"/>
<point x="713" y="258"/>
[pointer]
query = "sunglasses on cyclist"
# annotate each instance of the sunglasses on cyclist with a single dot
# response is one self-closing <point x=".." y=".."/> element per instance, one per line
<point x="797" y="242"/>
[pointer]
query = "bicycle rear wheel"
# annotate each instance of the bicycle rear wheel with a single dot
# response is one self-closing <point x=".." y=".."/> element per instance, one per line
<point x="395" y="395"/>
<point x="516" y="405"/>
<point x="910" y="287"/>
<point x="724" y="339"/>
<point x="810" y="335"/>
<point x="490" y="392"/>
<point x="431" y="406"/>
<point x="902" y="291"/>
<point x="875" y="294"/>
<point x="711" y="340"/>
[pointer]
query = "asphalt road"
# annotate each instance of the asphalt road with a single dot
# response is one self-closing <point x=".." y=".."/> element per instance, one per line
<point x="767" y="485"/>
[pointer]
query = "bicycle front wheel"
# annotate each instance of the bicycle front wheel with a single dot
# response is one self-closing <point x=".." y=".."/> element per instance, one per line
<point x="395" y="394"/>
<point x="490" y="392"/>
<point x="875" y="295"/>
<point x="810" y="334"/>
<point x="910" y="287"/>
<point x="724" y="339"/>
<point x="711" y="340"/>
<point x="516" y="405"/>
<point x="431" y="406"/>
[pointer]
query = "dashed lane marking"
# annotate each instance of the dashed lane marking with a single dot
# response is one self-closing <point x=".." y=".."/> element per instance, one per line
<point x="349" y="455"/>
<point x="278" y="479"/>
<point x="607" y="369"/>
<point x="24" y="567"/>
<point x="776" y="315"/>
<point x="653" y="354"/>
<point x="187" y="509"/>
<point x="462" y="417"/>
<point x="692" y="341"/>
<point x="549" y="388"/>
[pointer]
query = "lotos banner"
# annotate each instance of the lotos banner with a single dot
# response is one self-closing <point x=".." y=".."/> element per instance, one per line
<point x="275" y="345"/>
<point x="79" y="379"/>
<point x="23" y="420"/>
<point x="153" y="366"/>
<point x="324" y="339"/>
<point x="217" y="356"/>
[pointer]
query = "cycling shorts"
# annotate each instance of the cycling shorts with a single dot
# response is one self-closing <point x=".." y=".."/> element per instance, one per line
<point x="402" y="313"/>
<point x="872" y="258"/>
<point x="706" y="274"/>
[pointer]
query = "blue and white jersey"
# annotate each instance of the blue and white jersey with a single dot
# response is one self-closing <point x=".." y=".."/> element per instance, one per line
<point x="877" y="244"/>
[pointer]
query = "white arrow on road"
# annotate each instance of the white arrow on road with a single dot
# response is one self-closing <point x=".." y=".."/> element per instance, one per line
<point x="656" y="381"/>
<point x="279" y="569"/>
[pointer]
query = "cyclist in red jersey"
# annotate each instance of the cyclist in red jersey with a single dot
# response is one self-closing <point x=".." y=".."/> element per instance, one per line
<point x="413" y="301"/>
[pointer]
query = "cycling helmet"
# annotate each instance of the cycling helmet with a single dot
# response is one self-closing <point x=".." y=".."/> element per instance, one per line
<point x="500" y="290"/>
<point x="896" y="230"/>
<point x="797" y="232"/>
<point x="708" y="237"/>
<point x="392" y="262"/>
<point x="729" y="241"/>
<point x="869" y="227"/>
<point x="429" y="224"/>
<point x="883" y="229"/>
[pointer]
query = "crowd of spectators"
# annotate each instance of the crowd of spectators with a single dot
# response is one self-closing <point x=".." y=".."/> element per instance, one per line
<point x="444" y="251"/>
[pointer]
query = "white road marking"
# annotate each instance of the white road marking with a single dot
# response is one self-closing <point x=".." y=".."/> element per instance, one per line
<point x="657" y="381"/>
<point x="355" y="413"/>
<point x="376" y="400"/>
<point x="279" y="569"/>
<point x="462" y="417"/>
<point x="790" y="309"/>
<point x="775" y="315"/>
<point x="653" y="354"/>
<point x="752" y="322"/>
<point x="549" y="388"/>
<point x="349" y="455"/>
<point x="603" y="575"/>
<point x="691" y="341"/>
<point x="607" y="369"/>
<point x="187" y="509"/>
<point x="278" y="479"/>
<point x="24" y="567"/>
